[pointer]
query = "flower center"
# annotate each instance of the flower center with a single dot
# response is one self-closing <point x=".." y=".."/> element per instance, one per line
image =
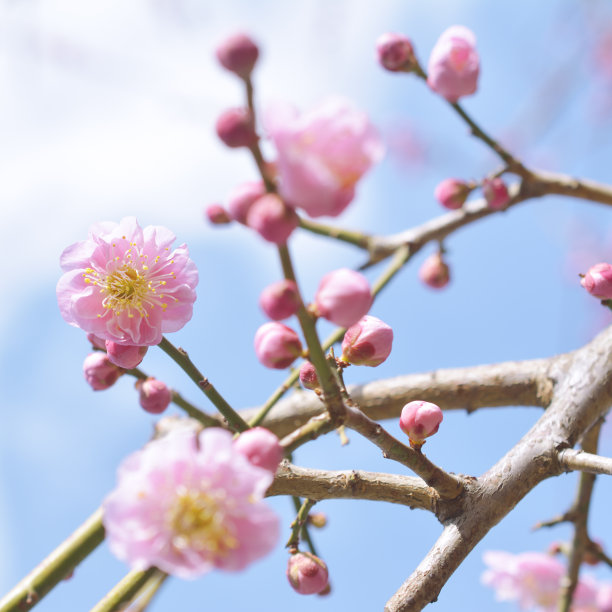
<point x="197" y="522"/>
<point x="132" y="286"/>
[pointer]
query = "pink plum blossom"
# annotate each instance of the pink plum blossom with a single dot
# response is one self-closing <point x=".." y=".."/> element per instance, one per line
<point x="261" y="447"/>
<point x="322" y="154"/>
<point x="598" y="281"/>
<point x="153" y="395"/>
<point x="188" y="505"/>
<point x="238" y="54"/>
<point x="276" y="345"/>
<point x="280" y="300"/>
<point x="343" y="297"/>
<point x="419" y="420"/>
<point x="495" y="192"/>
<point x="272" y="219"/>
<point x="395" y="52"/>
<point x="307" y="573"/>
<point x="99" y="372"/>
<point x="242" y="198"/>
<point x="125" y="355"/>
<point x="533" y="579"/>
<point x="368" y="342"/>
<point x="452" y="193"/>
<point x="454" y="64"/>
<point x="125" y="284"/>
<point x="434" y="272"/>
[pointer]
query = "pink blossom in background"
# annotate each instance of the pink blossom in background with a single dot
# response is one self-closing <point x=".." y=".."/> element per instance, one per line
<point x="495" y="193"/>
<point x="368" y="342"/>
<point x="125" y="284"/>
<point x="343" y="297"/>
<point x="188" y="505"/>
<point x="434" y="272"/>
<point x="276" y="345"/>
<point x="242" y="198"/>
<point x="272" y="219"/>
<point x="236" y="128"/>
<point x="322" y="154"/>
<point x="280" y="300"/>
<point x="99" y="372"/>
<point x="217" y="215"/>
<point x="261" y="447"/>
<point x="454" y="64"/>
<point x="395" y="53"/>
<point x="452" y="193"/>
<point x="238" y="53"/>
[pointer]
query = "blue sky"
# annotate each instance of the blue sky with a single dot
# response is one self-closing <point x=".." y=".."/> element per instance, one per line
<point x="108" y="109"/>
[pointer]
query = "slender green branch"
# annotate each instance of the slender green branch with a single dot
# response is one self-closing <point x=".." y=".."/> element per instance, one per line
<point x="145" y="595"/>
<point x="311" y="430"/>
<point x="181" y="357"/>
<point x="305" y="533"/>
<point x="57" y="566"/>
<point x="125" y="590"/>
<point x="351" y="237"/>
<point x="299" y="524"/>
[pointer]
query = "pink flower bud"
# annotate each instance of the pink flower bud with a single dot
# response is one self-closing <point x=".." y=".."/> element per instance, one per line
<point x="434" y="272"/>
<point x="368" y="342"/>
<point x="124" y="355"/>
<point x="99" y="372"/>
<point x="454" y="64"/>
<point x="242" y="198"/>
<point x="395" y="52"/>
<point x="217" y="215"/>
<point x="261" y="447"/>
<point x="96" y="341"/>
<point x="272" y="219"/>
<point x="308" y="376"/>
<point x="276" y="345"/>
<point x="307" y="573"/>
<point x="495" y="193"/>
<point x="419" y="420"/>
<point x="343" y="297"/>
<point x="598" y="281"/>
<point x="452" y="193"/>
<point x="236" y="128"/>
<point x="280" y="300"/>
<point x="154" y="395"/>
<point x="238" y="54"/>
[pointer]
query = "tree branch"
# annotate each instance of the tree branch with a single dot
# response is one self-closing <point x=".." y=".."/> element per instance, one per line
<point x="578" y="460"/>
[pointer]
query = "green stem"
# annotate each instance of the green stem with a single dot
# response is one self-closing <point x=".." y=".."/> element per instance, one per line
<point x="316" y="354"/>
<point x="147" y="592"/>
<point x="305" y="534"/>
<point x="180" y="356"/>
<point x="351" y="237"/>
<point x="299" y="524"/>
<point x="56" y="566"/>
<point x="125" y="590"/>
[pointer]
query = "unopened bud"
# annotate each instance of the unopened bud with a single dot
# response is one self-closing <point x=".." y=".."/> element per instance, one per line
<point x="125" y="356"/>
<point x="217" y="215"/>
<point x="452" y="193"/>
<point x="395" y="52"/>
<point x="343" y="297"/>
<point x="317" y="519"/>
<point x="434" y="272"/>
<point x="276" y="345"/>
<point x="238" y="54"/>
<point x="495" y="193"/>
<point x="598" y="281"/>
<point x="154" y="395"/>
<point x="99" y="372"/>
<point x="307" y="573"/>
<point x="272" y="219"/>
<point x="419" y="420"/>
<point x="368" y="342"/>
<point x="261" y="447"/>
<point x="308" y="376"/>
<point x="280" y="300"/>
<point x="96" y="341"/>
<point x="243" y="197"/>
<point x="236" y="128"/>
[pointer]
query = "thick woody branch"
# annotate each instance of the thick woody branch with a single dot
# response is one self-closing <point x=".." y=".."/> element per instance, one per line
<point x="524" y="383"/>
<point x="577" y="460"/>
<point x="352" y="484"/>
<point x="581" y="397"/>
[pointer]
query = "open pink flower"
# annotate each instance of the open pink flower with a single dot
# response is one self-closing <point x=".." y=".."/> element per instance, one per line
<point x="124" y="284"/>
<point x="322" y="154"/>
<point x="188" y="505"/>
